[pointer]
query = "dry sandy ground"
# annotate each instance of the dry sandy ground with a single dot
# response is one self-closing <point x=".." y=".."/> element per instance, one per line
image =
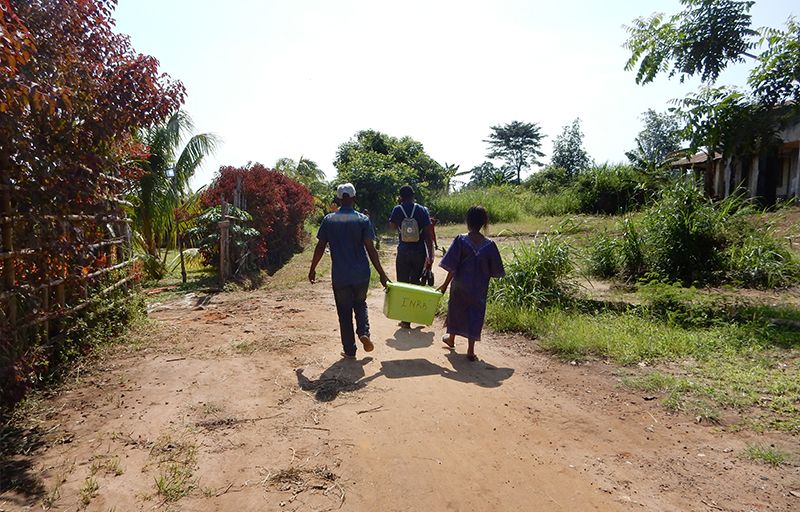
<point x="246" y="404"/>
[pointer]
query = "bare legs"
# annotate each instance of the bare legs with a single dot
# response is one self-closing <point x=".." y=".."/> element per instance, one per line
<point x="450" y="341"/>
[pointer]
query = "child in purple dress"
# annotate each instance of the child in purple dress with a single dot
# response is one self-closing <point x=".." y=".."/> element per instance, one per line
<point x="471" y="261"/>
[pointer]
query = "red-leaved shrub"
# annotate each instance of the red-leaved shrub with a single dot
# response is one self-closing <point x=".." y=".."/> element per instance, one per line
<point x="279" y="206"/>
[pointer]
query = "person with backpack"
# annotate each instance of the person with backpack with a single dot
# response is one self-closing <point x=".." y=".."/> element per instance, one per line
<point x="415" y="249"/>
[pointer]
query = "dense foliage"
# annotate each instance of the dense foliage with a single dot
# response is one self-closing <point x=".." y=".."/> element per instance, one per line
<point x="378" y="165"/>
<point x="242" y="240"/>
<point x="73" y="94"/>
<point x="308" y="173"/>
<point x="685" y="237"/>
<point x="278" y="204"/>
<point x="488" y="175"/>
<point x="704" y="39"/>
<point x="613" y="189"/>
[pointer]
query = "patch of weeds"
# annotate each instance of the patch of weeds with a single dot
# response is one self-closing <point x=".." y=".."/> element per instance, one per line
<point x="244" y="347"/>
<point x="107" y="466"/>
<point x="176" y="460"/>
<point x="175" y="482"/>
<point x="53" y="495"/>
<point x="657" y="382"/>
<point x="88" y="490"/>
<point x="766" y="454"/>
<point x="685" y="402"/>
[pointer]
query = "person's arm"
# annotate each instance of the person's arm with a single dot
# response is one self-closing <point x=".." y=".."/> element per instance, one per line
<point x="394" y="218"/>
<point x="319" y="252"/>
<point x="447" y="280"/>
<point x="376" y="261"/>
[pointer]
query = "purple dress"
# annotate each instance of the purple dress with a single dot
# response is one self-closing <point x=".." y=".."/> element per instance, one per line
<point x="471" y="267"/>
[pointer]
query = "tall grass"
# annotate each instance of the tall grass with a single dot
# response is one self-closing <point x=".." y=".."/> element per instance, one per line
<point x="504" y="204"/>
<point x="537" y="276"/>
<point x="689" y="238"/>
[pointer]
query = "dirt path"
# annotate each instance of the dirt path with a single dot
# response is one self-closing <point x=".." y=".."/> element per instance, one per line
<point x="244" y="404"/>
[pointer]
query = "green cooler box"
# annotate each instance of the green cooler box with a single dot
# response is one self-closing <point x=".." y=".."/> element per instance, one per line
<point x="411" y="303"/>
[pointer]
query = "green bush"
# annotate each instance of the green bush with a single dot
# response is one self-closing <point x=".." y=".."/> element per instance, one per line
<point x="602" y="258"/>
<point x="548" y="181"/>
<point x="631" y="251"/>
<point x="686" y="235"/>
<point x="537" y="275"/>
<point x="761" y="261"/>
<point x="688" y="238"/>
<point x="613" y="189"/>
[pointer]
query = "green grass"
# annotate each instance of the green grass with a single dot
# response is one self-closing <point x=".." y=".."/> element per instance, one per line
<point x="176" y="459"/>
<point x="725" y="366"/>
<point x="767" y="454"/>
<point x="175" y="482"/>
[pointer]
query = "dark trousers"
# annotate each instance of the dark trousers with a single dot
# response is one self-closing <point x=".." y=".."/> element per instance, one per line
<point x="409" y="265"/>
<point x="350" y="300"/>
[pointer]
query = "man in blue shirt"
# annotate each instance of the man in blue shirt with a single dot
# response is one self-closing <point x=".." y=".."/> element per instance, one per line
<point x="349" y="235"/>
<point x="413" y="258"/>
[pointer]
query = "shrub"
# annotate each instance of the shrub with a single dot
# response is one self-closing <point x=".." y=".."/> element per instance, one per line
<point x="613" y="189"/>
<point x="686" y="235"/>
<point x="631" y="251"/>
<point x="206" y="233"/>
<point x="537" y="275"/>
<point x="761" y="261"/>
<point x="278" y="204"/>
<point x="690" y="239"/>
<point x="602" y="257"/>
<point x="549" y="180"/>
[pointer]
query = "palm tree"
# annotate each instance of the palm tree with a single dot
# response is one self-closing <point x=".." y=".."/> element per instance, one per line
<point x="165" y="184"/>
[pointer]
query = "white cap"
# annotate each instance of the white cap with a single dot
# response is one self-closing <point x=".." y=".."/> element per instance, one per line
<point x="345" y="188"/>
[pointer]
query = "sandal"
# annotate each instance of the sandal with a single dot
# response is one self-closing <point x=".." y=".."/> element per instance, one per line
<point x="446" y="341"/>
<point x="472" y="357"/>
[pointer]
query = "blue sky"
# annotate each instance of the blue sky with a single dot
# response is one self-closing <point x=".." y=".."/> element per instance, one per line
<point x="299" y="77"/>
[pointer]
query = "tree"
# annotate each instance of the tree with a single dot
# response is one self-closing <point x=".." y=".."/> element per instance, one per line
<point x="568" y="151"/>
<point x="659" y="138"/>
<point x="379" y="164"/>
<point x="164" y="184"/>
<point x="306" y="172"/>
<point x="519" y="144"/>
<point x="487" y="175"/>
<point x="278" y="205"/>
<point x="704" y="39"/>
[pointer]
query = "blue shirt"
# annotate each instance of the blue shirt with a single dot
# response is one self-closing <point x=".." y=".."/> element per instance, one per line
<point x="345" y="232"/>
<point x="423" y="220"/>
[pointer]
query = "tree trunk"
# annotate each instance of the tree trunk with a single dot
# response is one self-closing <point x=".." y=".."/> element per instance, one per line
<point x="147" y="233"/>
